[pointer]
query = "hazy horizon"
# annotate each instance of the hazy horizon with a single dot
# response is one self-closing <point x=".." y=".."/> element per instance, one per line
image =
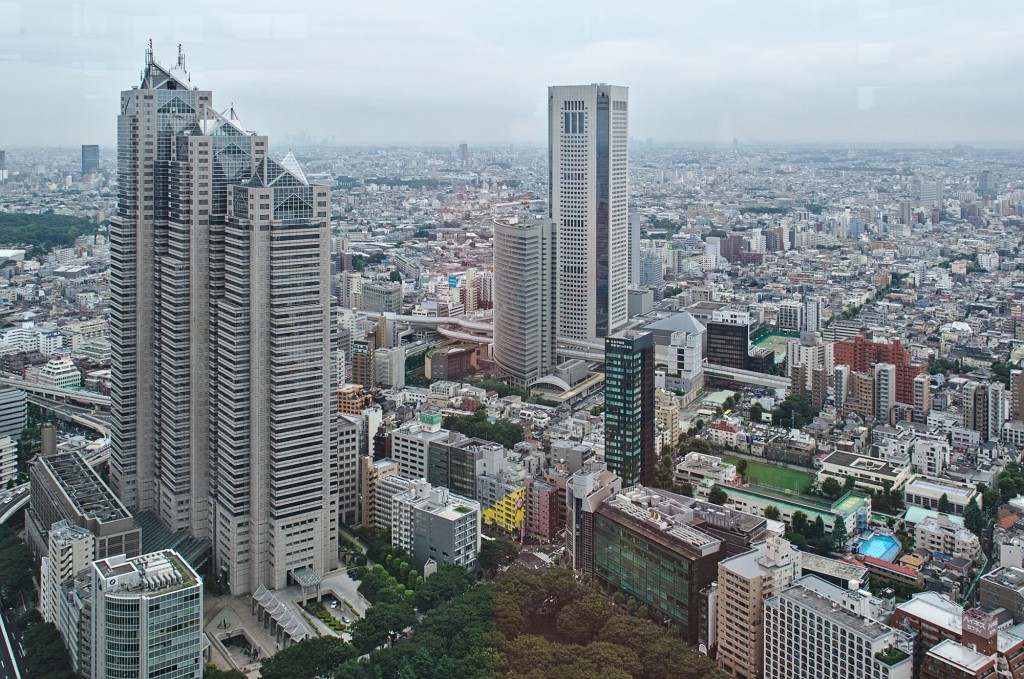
<point x="794" y="72"/>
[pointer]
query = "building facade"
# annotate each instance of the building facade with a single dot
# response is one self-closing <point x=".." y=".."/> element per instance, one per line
<point x="147" y="618"/>
<point x="629" y="418"/>
<point x="588" y="134"/>
<point x="524" y="289"/>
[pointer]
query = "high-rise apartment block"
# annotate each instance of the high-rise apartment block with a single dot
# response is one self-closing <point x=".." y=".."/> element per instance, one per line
<point x="524" y="287"/>
<point x="90" y="159"/>
<point x="71" y="549"/>
<point x="862" y="355"/>
<point x="147" y="618"/>
<point x="629" y="418"/>
<point x="744" y="582"/>
<point x="984" y="407"/>
<point x="588" y="131"/>
<point x="223" y="378"/>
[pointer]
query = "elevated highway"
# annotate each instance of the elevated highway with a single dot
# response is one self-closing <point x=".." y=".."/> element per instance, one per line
<point x="56" y="393"/>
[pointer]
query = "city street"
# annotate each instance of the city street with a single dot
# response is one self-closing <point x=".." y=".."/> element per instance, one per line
<point x="9" y="665"/>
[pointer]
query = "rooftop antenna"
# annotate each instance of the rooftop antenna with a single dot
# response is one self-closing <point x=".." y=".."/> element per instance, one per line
<point x="181" y="61"/>
<point x="149" y="53"/>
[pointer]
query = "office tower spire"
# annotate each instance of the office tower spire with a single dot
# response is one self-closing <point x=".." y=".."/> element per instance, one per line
<point x="223" y="383"/>
<point x="587" y="145"/>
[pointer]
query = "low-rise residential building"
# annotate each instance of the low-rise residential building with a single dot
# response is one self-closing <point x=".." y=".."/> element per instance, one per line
<point x="1004" y="588"/>
<point x="941" y="535"/>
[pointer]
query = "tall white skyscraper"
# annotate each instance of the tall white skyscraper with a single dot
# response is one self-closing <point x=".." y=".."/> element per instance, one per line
<point x="588" y="131"/>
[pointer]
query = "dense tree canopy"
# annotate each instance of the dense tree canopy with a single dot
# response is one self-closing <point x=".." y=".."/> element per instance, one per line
<point x="308" y="659"/>
<point x="505" y="432"/>
<point x="42" y="233"/>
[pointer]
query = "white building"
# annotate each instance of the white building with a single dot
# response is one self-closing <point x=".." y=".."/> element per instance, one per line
<point x="930" y="455"/>
<point x="410" y="444"/>
<point x="147" y="618"/>
<point x="939" y="534"/>
<point x="926" y="491"/>
<point x="791" y="316"/>
<point x="815" y="628"/>
<point x="70" y="549"/>
<point x="588" y="132"/>
<point x="885" y="391"/>
<point x="390" y="367"/>
<point x="61" y="372"/>
<point x="8" y="459"/>
<point x="432" y="524"/>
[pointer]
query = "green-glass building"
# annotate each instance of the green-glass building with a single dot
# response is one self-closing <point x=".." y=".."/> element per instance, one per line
<point x="629" y="406"/>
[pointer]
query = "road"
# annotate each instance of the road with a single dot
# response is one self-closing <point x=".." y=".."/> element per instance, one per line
<point x="11" y="656"/>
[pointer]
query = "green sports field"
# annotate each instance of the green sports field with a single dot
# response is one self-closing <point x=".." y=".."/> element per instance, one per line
<point x="770" y="475"/>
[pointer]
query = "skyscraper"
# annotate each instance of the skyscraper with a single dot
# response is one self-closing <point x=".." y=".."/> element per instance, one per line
<point x="3" y="166"/>
<point x="523" y="299"/>
<point x="90" y="159"/>
<point x="224" y="387"/>
<point x="629" y="406"/>
<point x="587" y="145"/>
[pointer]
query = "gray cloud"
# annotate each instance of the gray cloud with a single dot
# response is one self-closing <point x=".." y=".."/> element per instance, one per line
<point x="412" y="71"/>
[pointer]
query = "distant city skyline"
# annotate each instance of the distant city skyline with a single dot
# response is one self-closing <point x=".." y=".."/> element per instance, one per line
<point x="866" y="71"/>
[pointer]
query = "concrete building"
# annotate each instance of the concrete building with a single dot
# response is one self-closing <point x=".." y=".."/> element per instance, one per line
<point x="13" y="412"/>
<point x="434" y="525"/>
<point x="815" y="624"/>
<point x="584" y="493"/>
<point x="869" y="473"/>
<point x="939" y="534"/>
<point x="71" y="549"/>
<point x="147" y="617"/>
<point x="221" y="332"/>
<point x="950" y="660"/>
<point x="984" y="408"/>
<point x="744" y="582"/>
<point x="524" y="299"/>
<point x="588" y="134"/>
<point x="370" y="473"/>
<point x="410" y="444"/>
<point x="695" y="467"/>
<point x="389" y="366"/>
<point x="64" y="487"/>
<point x="791" y="316"/>
<point x="926" y="491"/>
<point x="885" y="391"/>
<point x="629" y="418"/>
<point x="60" y="372"/>
<point x="382" y="296"/>
<point x="1004" y="588"/>
<point x="8" y="460"/>
<point x="272" y="399"/>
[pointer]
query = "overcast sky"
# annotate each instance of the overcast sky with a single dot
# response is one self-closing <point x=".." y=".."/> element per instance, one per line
<point x="448" y="71"/>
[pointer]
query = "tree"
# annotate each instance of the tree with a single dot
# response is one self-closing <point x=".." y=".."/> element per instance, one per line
<point x="1007" y="488"/>
<point x="395" y="276"/>
<point x="796" y="411"/>
<point x="974" y="520"/>
<point x="741" y="468"/>
<point x="718" y="496"/>
<point x="831" y="488"/>
<point x="495" y="554"/>
<point x="772" y="512"/>
<point x="308" y="659"/>
<point x="211" y="671"/>
<point x="799" y="522"/>
<point x="839" y="535"/>
<point x="944" y="505"/>
<point x="756" y="412"/>
<point x="581" y="620"/>
<point x="380" y="621"/>
<point x="448" y="582"/>
<point x="848" y="483"/>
